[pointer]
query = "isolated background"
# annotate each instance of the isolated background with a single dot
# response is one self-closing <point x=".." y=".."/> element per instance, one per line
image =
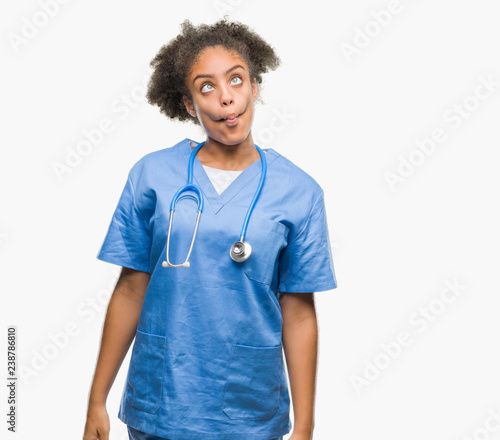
<point x="355" y="119"/>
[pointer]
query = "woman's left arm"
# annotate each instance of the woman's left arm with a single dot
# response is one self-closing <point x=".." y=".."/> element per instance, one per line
<point x="300" y="343"/>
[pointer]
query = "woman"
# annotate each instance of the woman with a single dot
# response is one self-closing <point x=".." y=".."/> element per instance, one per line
<point x="207" y="359"/>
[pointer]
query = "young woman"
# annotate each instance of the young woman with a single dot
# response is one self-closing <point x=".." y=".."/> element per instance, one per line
<point x="212" y="316"/>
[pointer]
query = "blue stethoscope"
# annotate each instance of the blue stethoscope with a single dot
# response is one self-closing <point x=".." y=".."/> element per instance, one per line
<point x="241" y="250"/>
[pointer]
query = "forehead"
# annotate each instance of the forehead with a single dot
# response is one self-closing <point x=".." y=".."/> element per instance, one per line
<point x="213" y="60"/>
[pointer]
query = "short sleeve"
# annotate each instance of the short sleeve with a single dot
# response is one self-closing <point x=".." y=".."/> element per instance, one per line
<point x="128" y="240"/>
<point x="306" y="263"/>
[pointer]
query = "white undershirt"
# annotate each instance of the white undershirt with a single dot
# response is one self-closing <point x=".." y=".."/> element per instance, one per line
<point x="221" y="179"/>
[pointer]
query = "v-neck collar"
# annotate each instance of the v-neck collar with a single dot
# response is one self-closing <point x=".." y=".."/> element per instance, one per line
<point x="200" y="177"/>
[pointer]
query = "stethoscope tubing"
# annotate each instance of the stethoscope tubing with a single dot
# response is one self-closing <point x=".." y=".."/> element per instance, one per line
<point x="188" y="187"/>
<point x="193" y="187"/>
<point x="256" y="195"/>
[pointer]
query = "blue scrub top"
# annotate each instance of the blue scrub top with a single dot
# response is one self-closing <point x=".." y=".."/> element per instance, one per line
<point x="207" y="359"/>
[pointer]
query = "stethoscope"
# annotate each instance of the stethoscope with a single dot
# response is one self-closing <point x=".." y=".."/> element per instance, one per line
<point x="240" y="250"/>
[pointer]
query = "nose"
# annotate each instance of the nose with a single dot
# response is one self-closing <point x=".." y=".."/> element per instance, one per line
<point x="226" y="96"/>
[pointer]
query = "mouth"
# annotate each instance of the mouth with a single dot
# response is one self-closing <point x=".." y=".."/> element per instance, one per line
<point x="230" y="116"/>
<point x="230" y="119"/>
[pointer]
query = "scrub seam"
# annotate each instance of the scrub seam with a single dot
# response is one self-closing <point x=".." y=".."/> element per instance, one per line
<point x="322" y="287"/>
<point x="133" y="200"/>
<point x="308" y="218"/>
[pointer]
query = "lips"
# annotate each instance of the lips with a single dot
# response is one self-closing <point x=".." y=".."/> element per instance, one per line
<point x="231" y="122"/>
<point x="230" y="117"/>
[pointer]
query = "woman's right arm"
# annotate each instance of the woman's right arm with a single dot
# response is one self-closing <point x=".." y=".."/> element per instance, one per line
<point x="120" y="325"/>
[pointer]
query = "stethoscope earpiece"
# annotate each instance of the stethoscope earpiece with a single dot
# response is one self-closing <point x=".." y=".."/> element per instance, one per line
<point x="185" y="264"/>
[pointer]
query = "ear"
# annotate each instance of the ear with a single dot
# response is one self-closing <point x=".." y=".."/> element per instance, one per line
<point x="189" y="106"/>
<point x="255" y="92"/>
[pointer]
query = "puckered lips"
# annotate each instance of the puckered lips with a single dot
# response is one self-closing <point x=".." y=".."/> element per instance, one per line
<point x="230" y="119"/>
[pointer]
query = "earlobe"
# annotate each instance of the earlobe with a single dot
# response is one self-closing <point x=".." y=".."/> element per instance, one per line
<point x="189" y="107"/>
<point x="255" y="92"/>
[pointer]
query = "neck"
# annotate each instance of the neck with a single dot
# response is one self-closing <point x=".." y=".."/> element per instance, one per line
<point x="234" y="157"/>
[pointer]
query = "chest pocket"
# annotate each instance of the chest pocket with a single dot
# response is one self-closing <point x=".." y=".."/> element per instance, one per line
<point x="267" y="238"/>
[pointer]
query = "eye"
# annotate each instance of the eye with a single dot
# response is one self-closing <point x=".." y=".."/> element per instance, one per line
<point x="238" y="80"/>
<point x="207" y="87"/>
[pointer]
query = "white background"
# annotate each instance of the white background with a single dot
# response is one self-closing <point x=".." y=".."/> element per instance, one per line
<point x="356" y="119"/>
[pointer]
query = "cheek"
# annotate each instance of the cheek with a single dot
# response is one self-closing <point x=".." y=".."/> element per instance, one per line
<point x="207" y="108"/>
<point x="249" y="110"/>
<point x="207" y="123"/>
<point x="203" y="115"/>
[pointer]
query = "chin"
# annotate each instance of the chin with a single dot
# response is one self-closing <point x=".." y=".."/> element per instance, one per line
<point x="230" y="138"/>
<point x="234" y="139"/>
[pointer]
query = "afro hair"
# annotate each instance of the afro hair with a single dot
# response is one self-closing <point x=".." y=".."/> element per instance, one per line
<point x="173" y="62"/>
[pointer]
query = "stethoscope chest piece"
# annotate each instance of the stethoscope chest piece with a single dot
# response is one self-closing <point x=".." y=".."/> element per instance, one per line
<point x="240" y="251"/>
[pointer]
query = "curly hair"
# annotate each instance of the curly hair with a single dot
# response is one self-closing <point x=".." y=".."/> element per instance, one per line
<point x="173" y="62"/>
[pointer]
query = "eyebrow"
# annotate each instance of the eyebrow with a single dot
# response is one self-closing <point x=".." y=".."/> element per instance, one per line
<point x="211" y="76"/>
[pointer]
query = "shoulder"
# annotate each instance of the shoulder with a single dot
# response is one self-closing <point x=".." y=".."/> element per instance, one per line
<point x="291" y="178"/>
<point x="158" y="161"/>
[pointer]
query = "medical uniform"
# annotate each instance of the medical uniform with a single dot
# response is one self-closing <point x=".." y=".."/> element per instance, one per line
<point x="207" y="360"/>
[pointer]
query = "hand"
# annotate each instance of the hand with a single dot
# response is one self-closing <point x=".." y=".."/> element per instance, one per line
<point x="97" y="425"/>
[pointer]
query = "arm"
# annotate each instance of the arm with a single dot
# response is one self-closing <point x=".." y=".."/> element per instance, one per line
<point x="120" y="325"/>
<point x="300" y="343"/>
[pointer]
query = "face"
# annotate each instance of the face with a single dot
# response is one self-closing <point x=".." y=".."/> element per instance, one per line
<point x="223" y="95"/>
